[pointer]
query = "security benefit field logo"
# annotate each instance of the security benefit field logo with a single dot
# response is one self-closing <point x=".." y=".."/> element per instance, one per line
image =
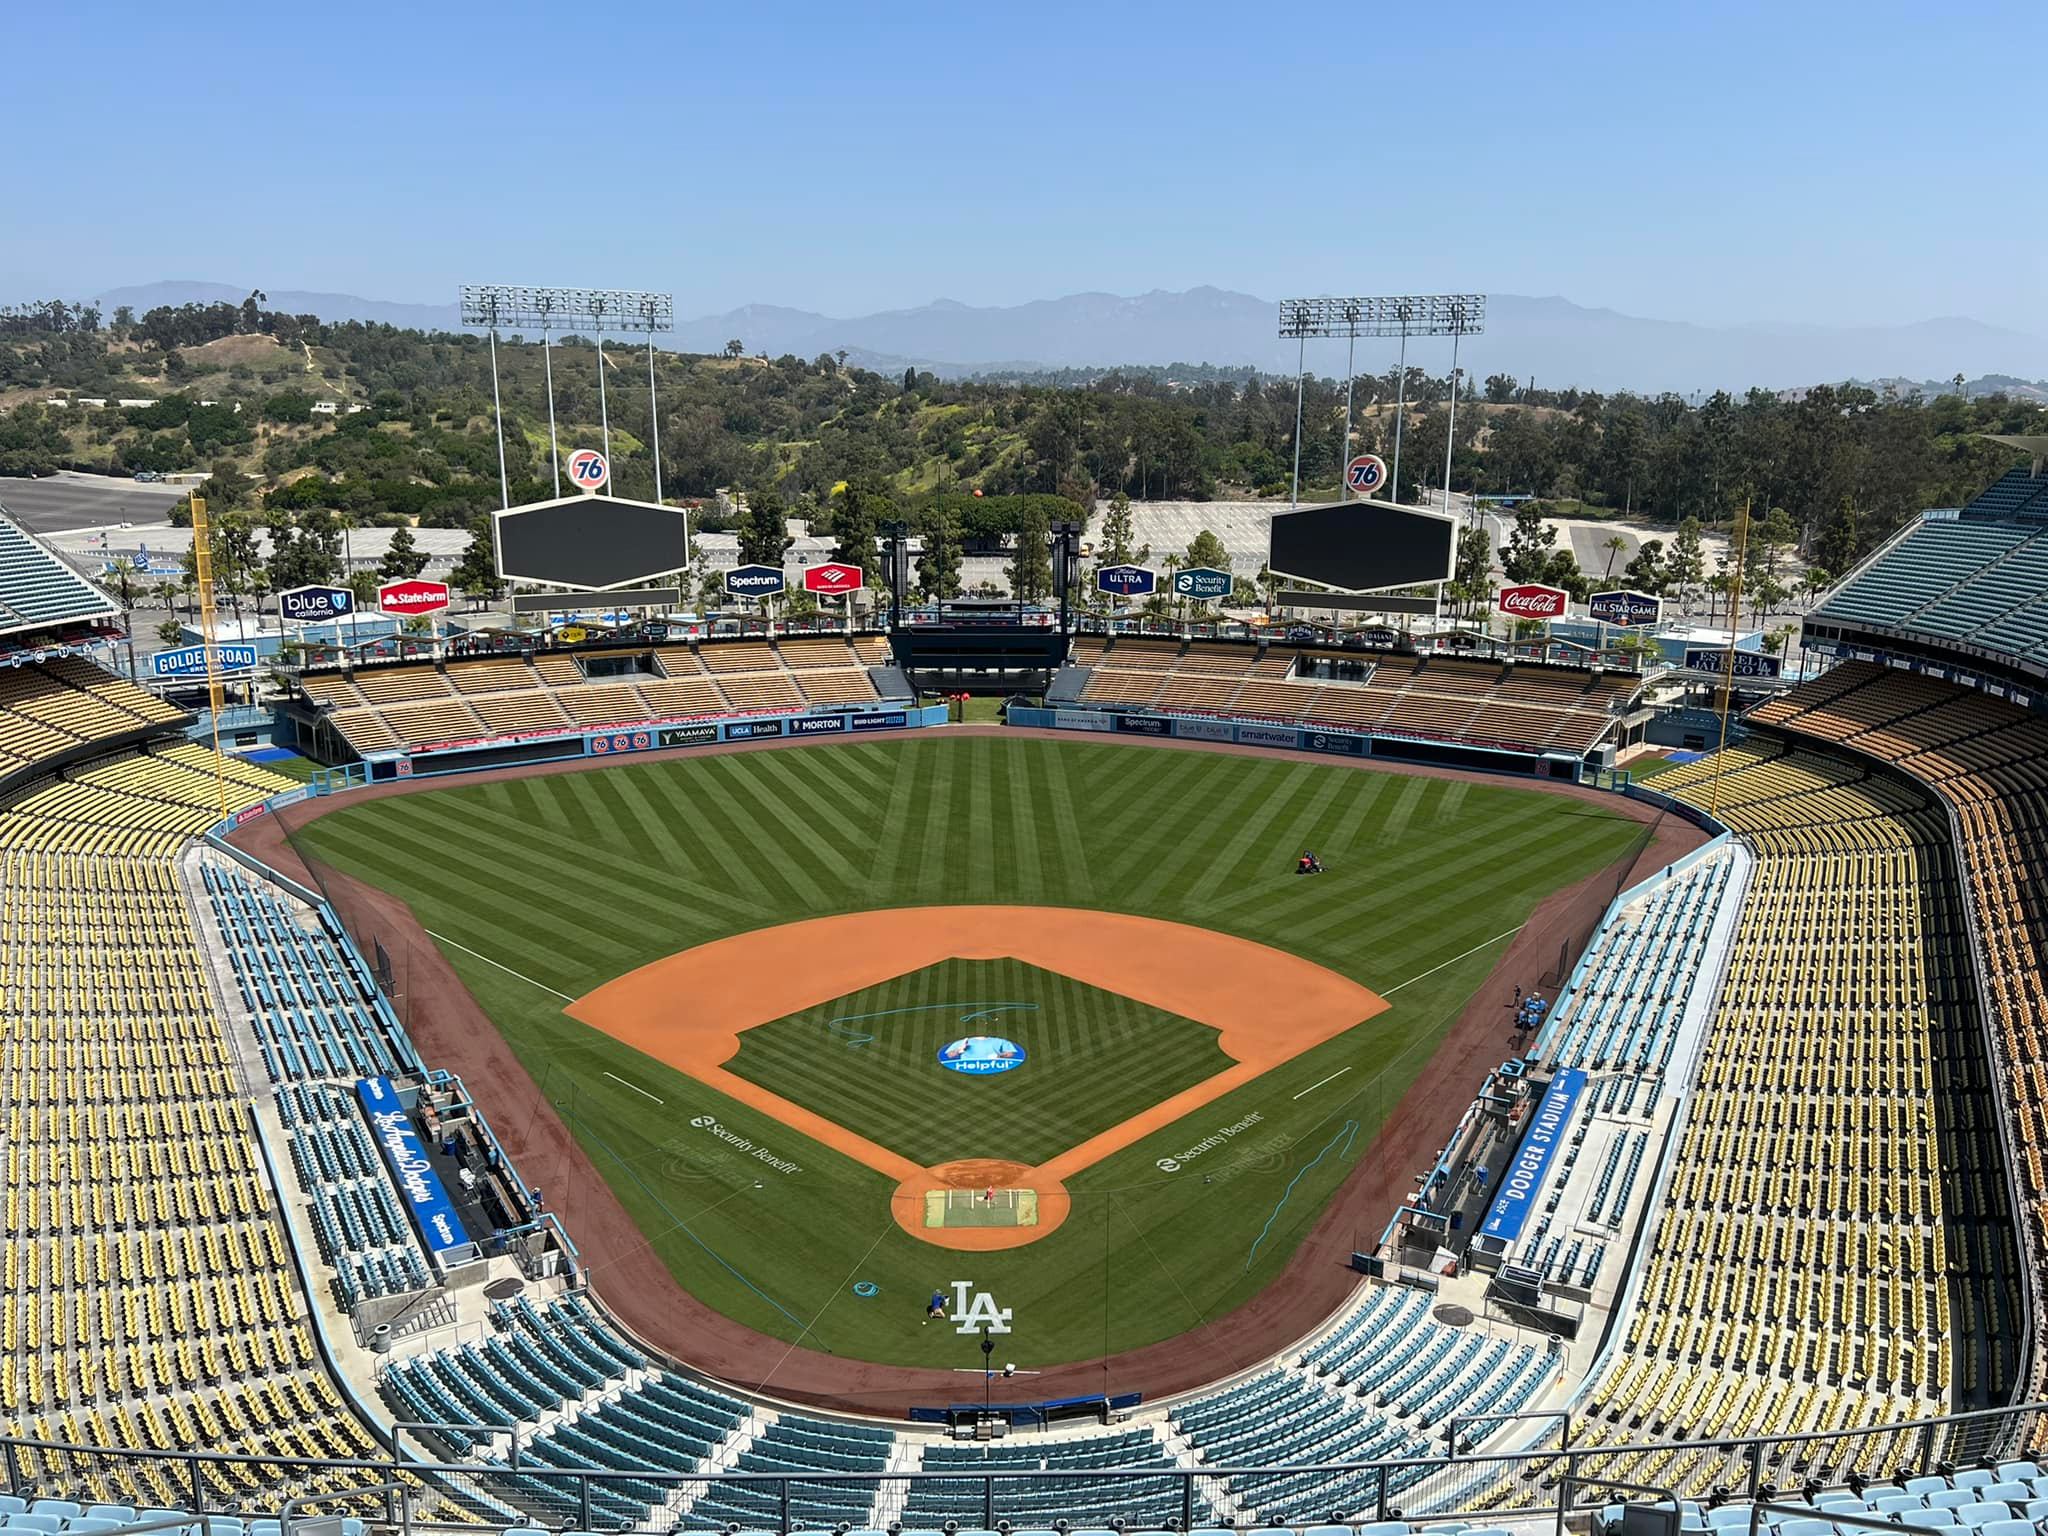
<point x="1210" y="1143"/>
<point x="740" y="1143"/>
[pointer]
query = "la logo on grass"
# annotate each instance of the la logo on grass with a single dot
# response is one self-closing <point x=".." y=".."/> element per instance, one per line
<point x="972" y="1310"/>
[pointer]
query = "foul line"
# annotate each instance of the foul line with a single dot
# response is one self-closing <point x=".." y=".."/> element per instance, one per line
<point x="1312" y="1087"/>
<point x="1482" y="944"/>
<point x="634" y="1086"/>
<point x="442" y="938"/>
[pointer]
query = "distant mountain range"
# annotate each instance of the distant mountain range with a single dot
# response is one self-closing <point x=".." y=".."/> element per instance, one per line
<point x="1550" y="341"/>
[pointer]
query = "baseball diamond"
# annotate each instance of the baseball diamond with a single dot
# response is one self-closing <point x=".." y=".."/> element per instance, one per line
<point x="688" y="957"/>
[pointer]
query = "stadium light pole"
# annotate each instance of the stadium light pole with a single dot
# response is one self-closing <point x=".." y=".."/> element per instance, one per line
<point x="547" y="363"/>
<point x="520" y="307"/>
<point x="1445" y="314"/>
<point x="1300" y="380"/>
<point x="604" y="415"/>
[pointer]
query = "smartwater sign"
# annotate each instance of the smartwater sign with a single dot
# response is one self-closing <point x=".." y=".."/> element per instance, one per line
<point x="1509" y="1212"/>
<point x="1747" y="663"/>
<point x="1268" y="736"/>
<point x="418" y="1185"/>
<point x="190" y="660"/>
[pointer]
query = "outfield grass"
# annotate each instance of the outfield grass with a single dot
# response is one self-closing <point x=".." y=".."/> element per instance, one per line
<point x="570" y="880"/>
<point x="870" y="1061"/>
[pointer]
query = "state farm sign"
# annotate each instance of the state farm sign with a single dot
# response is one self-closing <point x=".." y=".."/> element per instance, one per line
<point x="1532" y="600"/>
<point x="407" y="599"/>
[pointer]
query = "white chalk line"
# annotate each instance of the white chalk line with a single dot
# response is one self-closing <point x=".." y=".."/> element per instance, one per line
<point x="1312" y="1087"/>
<point x="487" y="960"/>
<point x="634" y="1086"/>
<point x="1482" y="944"/>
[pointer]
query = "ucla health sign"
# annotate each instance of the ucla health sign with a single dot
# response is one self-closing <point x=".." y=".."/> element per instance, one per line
<point x="418" y="1185"/>
<point x="190" y="660"/>
<point x="1509" y="1212"/>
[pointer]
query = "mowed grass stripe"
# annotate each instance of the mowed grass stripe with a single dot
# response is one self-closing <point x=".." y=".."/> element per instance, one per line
<point x="1092" y="1059"/>
<point x="1108" y="823"/>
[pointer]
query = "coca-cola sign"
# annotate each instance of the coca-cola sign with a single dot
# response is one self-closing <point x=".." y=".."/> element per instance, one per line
<point x="1532" y="600"/>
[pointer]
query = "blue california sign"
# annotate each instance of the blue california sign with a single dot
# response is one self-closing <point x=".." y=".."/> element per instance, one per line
<point x="1125" y="580"/>
<point x="315" y="605"/>
<point x="980" y="1055"/>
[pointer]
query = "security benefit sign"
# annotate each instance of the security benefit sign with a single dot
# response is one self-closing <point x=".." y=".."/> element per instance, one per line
<point x="418" y="1185"/>
<point x="1519" y="1185"/>
<point x="1202" y="583"/>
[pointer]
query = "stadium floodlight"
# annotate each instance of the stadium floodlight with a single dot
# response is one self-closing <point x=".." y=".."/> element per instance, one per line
<point x="1454" y="315"/>
<point x="521" y="307"/>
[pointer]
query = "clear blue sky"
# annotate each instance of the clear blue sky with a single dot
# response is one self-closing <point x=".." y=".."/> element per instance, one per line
<point x="1802" y="161"/>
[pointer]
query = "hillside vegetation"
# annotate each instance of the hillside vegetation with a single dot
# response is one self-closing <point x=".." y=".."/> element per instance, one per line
<point x="245" y="393"/>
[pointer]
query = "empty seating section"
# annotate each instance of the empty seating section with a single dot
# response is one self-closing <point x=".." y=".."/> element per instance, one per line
<point x="415" y="705"/>
<point x="39" y="588"/>
<point x="1832" y="1249"/>
<point x="57" y="706"/>
<point x="316" y="1013"/>
<point x="1621" y="1010"/>
<point x="1526" y="708"/>
<point x="1383" y="1384"/>
<point x="1979" y="579"/>
<point x="1989" y="760"/>
<point x="149" y="1298"/>
<point x="1929" y="561"/>
<point x="362" y="1231"/>
<point x="1040" y="1500"/>
<point x="796" y="1445"/>
<point x="2006" y="1498"/>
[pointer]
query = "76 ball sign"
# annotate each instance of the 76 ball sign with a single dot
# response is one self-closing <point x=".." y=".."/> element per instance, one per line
<point x="1366" y="475"/>
<point x="588" y="470"/>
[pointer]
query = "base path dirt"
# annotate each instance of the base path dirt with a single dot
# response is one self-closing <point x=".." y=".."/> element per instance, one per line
<point x="452" y="1031"/>
<point x="751" y="978"/>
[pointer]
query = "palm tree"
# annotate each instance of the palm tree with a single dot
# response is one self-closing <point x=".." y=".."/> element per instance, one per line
<point x="1614" y="545"/>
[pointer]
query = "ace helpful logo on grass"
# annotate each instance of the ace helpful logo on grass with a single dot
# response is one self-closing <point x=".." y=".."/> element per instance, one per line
<point x="982" y="1054"/>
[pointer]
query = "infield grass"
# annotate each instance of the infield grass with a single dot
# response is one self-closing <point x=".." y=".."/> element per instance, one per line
<point x="870" y="1060"/>
<point x="552" y="885"/>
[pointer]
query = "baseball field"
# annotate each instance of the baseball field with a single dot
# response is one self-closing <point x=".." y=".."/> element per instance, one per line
<point x="841" y="1027"/>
